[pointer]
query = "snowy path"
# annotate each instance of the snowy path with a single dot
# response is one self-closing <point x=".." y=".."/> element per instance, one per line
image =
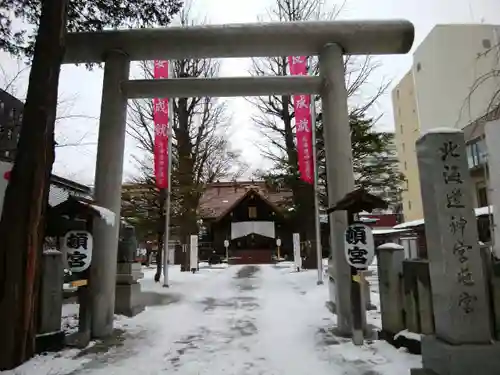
<point x="244" y="320"/>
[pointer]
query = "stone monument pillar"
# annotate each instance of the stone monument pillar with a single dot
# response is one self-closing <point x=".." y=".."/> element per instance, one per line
<point x="50" y="336"/>
<point x="390" y="258"/>
<point x="463" y="324"/>
<point x="128" y="291"/>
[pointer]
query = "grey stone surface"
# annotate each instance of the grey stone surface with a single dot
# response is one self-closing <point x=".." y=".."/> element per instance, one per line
<point x="421" y="371"/>
<point x="243" y="40"/>
<point x="127" y="244"/>
<point x="128" y="300"/>
<point x="129" y="273"/>
<point x="459" y="288"/>
<point x="417" y="296"/>
<point x="390" y="267"/>
<point x="495" y="286"/>
<point x="128" y="279"/>
<point x="446" y="359"/>
<point x="51" y="293"/>
<point x="107" y="192"/>
<point x="339" y="172"/>
<point x="425" y="299"/>
<point x="128" y="268"/>
<point x="366" y="290"/>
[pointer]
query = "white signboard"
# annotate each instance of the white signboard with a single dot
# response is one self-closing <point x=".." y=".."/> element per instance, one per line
<point x="77" y="245"/>
<point x="226" y="243"/>
<point x="194" y="252"/>
<point x="296" y="251"/>
<point x="278" y="242"/>
<point x="359" y="245"/>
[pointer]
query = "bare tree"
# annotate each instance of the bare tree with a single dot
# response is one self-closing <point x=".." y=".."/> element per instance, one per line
<point x="11" y="81"/>
<point x="201" y="153"/>
<point x="275" y="118"/>
<point x="491" y="79"/>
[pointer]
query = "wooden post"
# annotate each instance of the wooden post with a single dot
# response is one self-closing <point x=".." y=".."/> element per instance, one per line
<point x="356" y="299"/>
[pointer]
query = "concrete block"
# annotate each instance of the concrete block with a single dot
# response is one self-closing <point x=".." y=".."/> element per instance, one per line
<point x="446" y="359"/>
<point x="128" y="279"/>
<point x="417" y="296"/>
<point x="128" y="300"/>
<point x="128" y="268"/>
<point x="51" y="292"/>
<point x="390" y="269"/>
<point x="129" y="273"/>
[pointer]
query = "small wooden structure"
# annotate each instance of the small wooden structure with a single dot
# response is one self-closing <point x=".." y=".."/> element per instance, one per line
<point x="358" y="200"/>
<point x="72" y="214"/>
<point x="252" y="223"/>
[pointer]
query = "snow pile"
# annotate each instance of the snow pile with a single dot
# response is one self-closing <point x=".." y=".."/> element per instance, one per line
<point x="107" y="215"/>
<point x="408" y="335"/>
<point x="442" y="130"/>
<point x="263" y="320"/>
<point x="69" y="322"/>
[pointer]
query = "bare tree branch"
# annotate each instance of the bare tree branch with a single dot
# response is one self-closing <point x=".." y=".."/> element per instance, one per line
<point x="201" y="152"/>
<point x="275" y="118"/>
<point x="11" y="81"/>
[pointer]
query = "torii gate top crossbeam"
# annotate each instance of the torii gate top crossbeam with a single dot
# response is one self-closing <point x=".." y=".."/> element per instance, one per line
<point x="305" y="38"/>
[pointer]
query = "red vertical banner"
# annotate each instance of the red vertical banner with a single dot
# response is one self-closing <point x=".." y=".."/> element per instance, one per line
<point x="303" y="122"/>
<point x="160" y="117"/>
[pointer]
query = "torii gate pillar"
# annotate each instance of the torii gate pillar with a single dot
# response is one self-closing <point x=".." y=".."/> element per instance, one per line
<point x="340" y="177"/>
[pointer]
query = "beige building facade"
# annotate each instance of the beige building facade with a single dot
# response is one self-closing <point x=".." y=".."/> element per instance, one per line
<point x="406" y="133"/>
<point x="450" y="84"/>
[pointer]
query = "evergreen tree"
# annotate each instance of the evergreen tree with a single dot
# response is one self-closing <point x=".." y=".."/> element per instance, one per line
<point x="374" y="163"/>
<point x="373" y="157"/>
<point x="82" y="15"/>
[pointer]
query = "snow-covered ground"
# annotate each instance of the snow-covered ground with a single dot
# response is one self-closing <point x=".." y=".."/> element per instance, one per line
<point x="241" y="320"/>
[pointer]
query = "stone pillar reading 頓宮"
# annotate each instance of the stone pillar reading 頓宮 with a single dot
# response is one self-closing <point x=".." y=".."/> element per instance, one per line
<point x="461" y="304"/>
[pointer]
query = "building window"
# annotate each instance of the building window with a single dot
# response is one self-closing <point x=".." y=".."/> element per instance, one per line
<point x="403" y="147"/>
<point x="252" y="212"/>
<point x="401" y="128"/>
<point x="409" y="205"/>
<point x="476" y="152"/>
<point x="482" y="195"/>
<point x="406" y="166"/>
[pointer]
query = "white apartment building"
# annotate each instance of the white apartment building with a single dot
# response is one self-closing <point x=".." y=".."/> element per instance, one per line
<point x="451" y="84"/>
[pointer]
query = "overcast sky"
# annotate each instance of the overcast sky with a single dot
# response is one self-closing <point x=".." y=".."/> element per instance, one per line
<point x="81" y="89"/>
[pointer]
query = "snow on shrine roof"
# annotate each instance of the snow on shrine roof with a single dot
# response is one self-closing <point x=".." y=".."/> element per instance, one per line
<point x="220" y="196"/>
<point x="58" y="194"/>
<point x="442" y="130"/>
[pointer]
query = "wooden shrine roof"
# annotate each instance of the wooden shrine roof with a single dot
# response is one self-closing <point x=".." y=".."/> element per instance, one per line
<point x="220" y="197"/>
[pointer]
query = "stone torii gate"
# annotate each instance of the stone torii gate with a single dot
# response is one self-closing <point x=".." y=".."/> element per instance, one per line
<point x="328" y="40"/>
